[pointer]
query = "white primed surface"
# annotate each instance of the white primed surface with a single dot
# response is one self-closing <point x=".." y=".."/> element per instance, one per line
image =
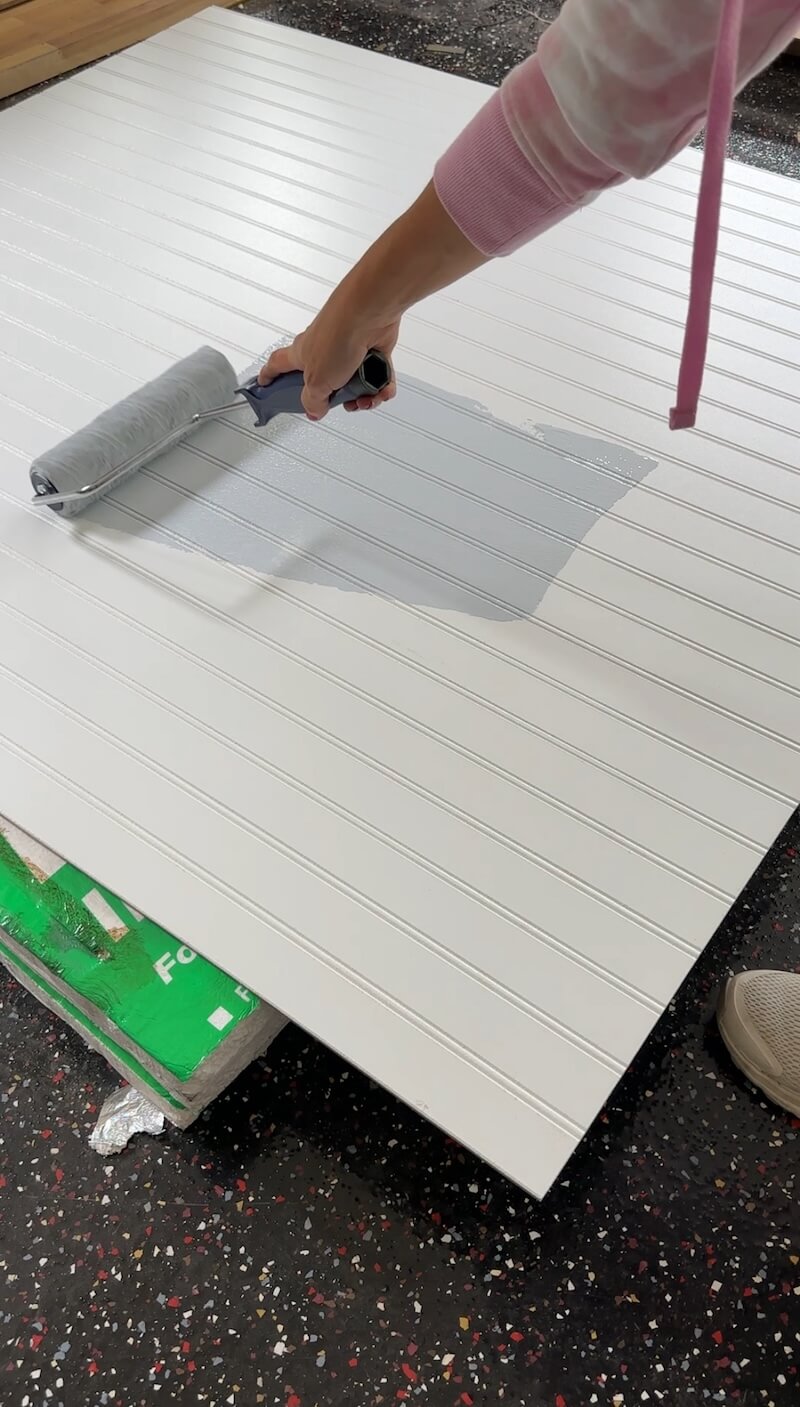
<point x="475" y="852"/>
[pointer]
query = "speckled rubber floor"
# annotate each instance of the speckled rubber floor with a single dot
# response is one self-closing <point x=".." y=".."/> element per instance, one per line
<point x="311" y="1242"/>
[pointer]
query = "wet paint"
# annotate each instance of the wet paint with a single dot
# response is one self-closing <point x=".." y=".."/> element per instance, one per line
<point x="433" y="501"/>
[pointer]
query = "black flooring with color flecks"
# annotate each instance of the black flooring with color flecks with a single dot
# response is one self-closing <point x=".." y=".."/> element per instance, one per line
<point x="311" y="1241"/>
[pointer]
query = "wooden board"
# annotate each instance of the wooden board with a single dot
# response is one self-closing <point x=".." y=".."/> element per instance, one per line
<point x="44" y="38"/>
<point x="453" y="730"/>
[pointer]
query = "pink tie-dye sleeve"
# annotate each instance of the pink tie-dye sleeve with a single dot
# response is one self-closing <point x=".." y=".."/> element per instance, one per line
<point x="614" y="90"/>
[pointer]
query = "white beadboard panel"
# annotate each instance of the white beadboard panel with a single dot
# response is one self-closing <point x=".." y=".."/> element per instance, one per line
<point x="454" y="731"/>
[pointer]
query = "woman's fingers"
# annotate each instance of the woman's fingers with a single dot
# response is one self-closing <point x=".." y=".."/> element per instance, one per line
<point x="370" y="402"/>
<point x="316" y="398"/>
<point x="282" y="359"/>
<point x="292" y="358"/>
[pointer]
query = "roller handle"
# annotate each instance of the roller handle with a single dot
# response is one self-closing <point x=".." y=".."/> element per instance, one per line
<point x="282" y="396"/>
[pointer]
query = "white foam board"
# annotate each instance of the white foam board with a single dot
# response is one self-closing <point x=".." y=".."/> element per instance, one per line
<point x="452" y="737"/>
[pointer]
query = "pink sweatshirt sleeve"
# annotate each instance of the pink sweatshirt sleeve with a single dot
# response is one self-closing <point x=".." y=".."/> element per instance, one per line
<point x="616" y="88"/>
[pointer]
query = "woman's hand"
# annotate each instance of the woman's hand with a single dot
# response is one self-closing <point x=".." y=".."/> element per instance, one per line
<point x="331" y="350"/>
<point x="420" y="253"/>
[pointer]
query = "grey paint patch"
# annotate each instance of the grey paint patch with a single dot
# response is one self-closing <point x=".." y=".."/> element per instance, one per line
<point x="587" y="449"/>
<point x="432" y="501"/>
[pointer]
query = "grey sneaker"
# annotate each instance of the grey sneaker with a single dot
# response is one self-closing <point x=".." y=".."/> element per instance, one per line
<point x="759" y="1019"/>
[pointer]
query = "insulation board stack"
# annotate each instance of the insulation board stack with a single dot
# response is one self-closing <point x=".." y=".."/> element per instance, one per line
<point x="171" y="1023"/>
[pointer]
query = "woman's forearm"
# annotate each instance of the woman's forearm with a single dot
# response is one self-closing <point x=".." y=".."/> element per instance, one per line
<point x="420" y="253"/>
<point x="423" y="251"/>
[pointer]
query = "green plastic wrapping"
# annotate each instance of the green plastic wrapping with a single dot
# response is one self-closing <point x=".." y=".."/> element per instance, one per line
<point x="164" y="999"/>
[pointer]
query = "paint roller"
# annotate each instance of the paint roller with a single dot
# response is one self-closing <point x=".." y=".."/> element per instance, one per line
<point x="122" y="439"/>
